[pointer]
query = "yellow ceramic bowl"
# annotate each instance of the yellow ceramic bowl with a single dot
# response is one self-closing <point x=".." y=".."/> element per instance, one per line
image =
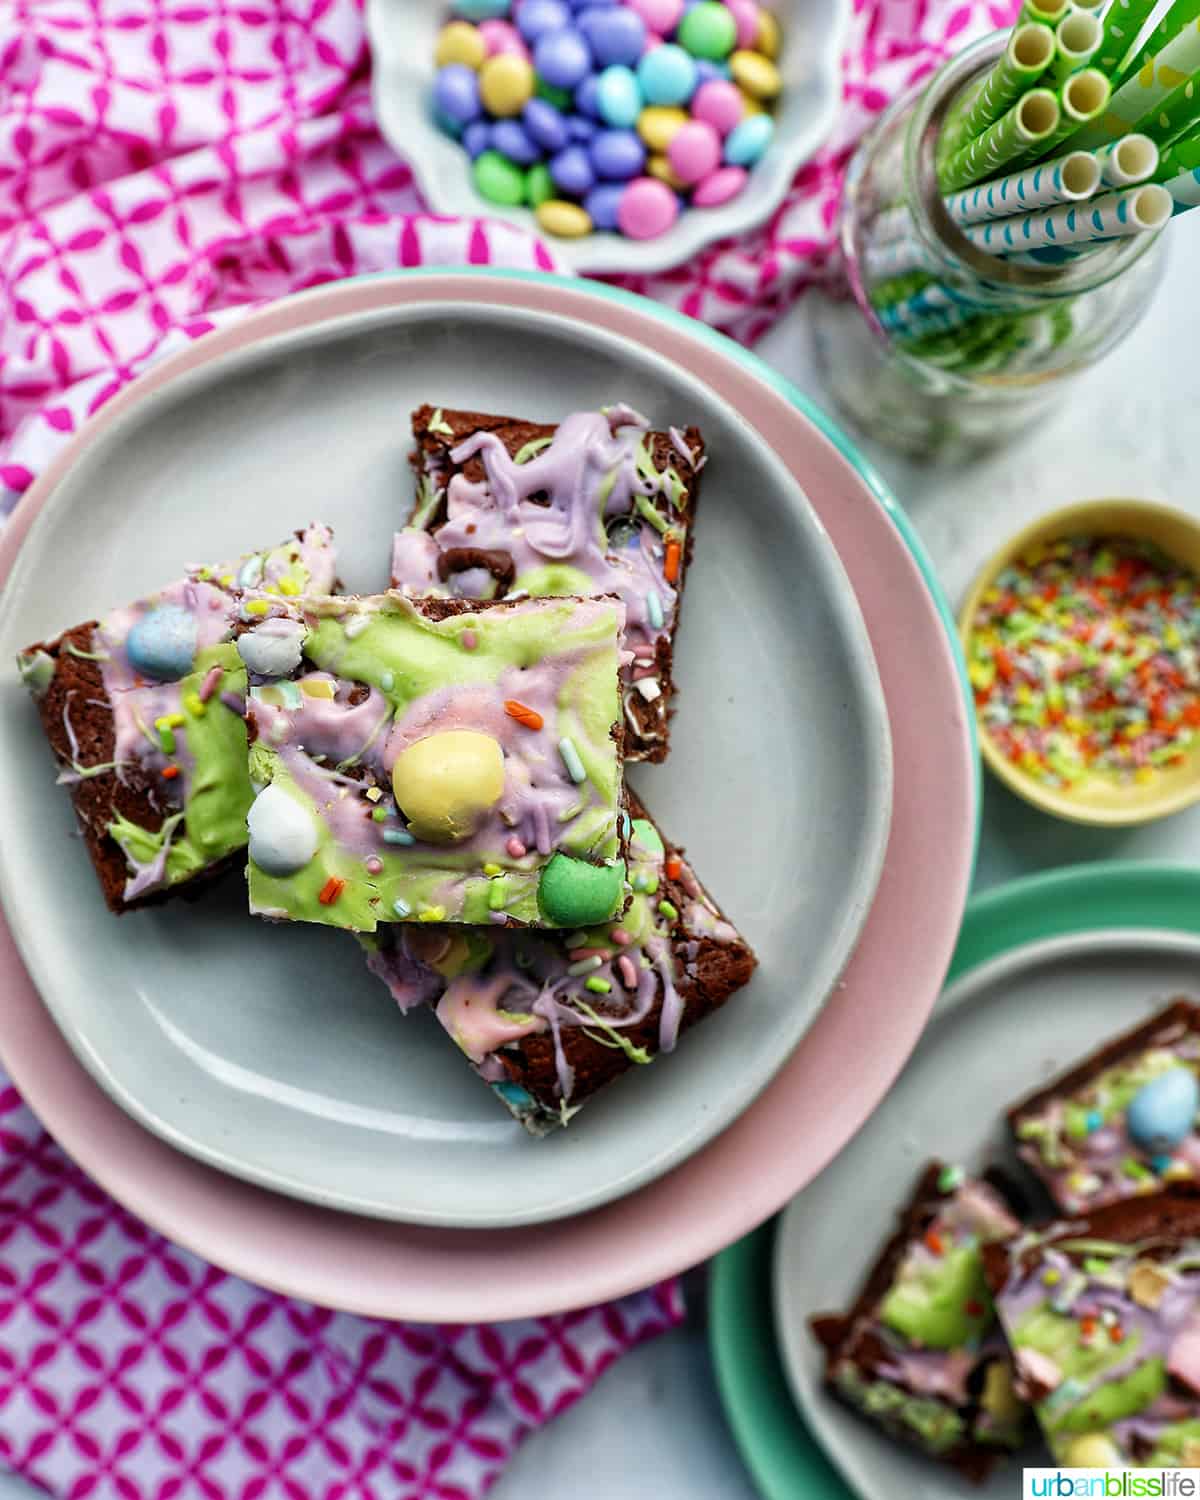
<point x="1098" y="801"/>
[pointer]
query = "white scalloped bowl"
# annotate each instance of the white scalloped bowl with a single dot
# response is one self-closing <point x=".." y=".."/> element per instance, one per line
<point x="402" y="34"/>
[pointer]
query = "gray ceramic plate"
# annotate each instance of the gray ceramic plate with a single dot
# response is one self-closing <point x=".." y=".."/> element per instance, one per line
<point x="997" y="1033"/>
<point x="268" y="1050"/>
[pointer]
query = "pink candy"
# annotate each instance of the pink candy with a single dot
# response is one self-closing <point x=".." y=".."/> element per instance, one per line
<point x="647" y="208"/>
<point x="723" y="184"/>
<point x="501" y="36"/>
<point x="745" y="17"/>
<point x="695" y="151"/>
<point x="719" y="104"/>
<point x="659" y="15"/>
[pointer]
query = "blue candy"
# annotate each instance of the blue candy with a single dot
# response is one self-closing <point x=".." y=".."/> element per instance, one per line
<point x="615" y="36"/>
<point x="748" y="139"/>
<point x="619" y="97"/>
<point x="545" y="125"/>
<point x="163" y="643"/>
<point x="572" y="171"/>
<point x="562" y="58"/>
<point x="587" y="96"/>
<point x="1163" y="1111"/>
<point x="595" y="4"/>
<point x="511" y="139"/>
<point x="477" y="138"/>
<point x="580" y="128"/>
<point x="447" y="126"/>
<point x="618" y="154"/>
<point x="602" y="204"/>
<point x="482" y="10"/>
<point x="667" y="75"/>
<point x="536" y="17"/>
<point x="456" y="93"/>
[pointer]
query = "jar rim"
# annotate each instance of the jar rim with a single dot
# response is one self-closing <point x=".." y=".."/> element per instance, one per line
<point x="943" y="237"/>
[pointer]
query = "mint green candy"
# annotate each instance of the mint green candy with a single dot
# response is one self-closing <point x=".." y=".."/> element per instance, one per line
<point x="539" y="188"/>
<point x="708" y="30"/>
<point x="560" y="98"/>
<point x="497" y="179"/>
<point x="574" y="893"/>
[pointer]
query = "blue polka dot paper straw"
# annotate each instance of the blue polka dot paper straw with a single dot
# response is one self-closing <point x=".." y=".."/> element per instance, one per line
<point x="1184" y="190"/>
<point x="1137" y="210"/>
<point x="1070" y="179"/>
<point x="1132" y="159"/>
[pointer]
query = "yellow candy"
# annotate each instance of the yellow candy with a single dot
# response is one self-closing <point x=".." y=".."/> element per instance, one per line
<point x="755" y="73"/>
<point x="446" y="782"/>
<point x="658" y="123"/>
<point x="566" y="220"/>
<point x="751" y="105"/>
<point x="506" y="84"/>
<point x="767" y="40"/>
<point x="1093" y="1451"/>
<point x="460" y="42"/>
<point x="658" y="166"/>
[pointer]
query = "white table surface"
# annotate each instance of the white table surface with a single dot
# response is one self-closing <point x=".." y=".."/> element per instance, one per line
<point x="653" y="1426"/>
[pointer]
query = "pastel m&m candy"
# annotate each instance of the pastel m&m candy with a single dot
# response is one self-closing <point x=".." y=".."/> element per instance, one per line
<point x="460" y="42"/>
<point x="768" y="38"/>
<point x="718" y="104"/>
<point x="602" y="204"/>
<point x="572" y="170"/>
<point x="539" y="185"/>
<point x="708" y="30"/>
<point x="482" y="10"/>
<point x="562" y="58"/>
<point x="616" y="34"/>
<point x="757" y="74"/>
<point x="747" y="141"/>
<point x="667" y="75"/>
<point x="695" y="151"/>
<point x="725" y="183"/>
<point x="476" y="138"/>
<point x="658" y="166"/>
<point x="505" y="84"/>
<point x="456" y="93"/>
<point x="647" y="209"/>
<point x="567" y="220"/>
<point x="587" y="97"/>
<point x="659" y="15"/>
<point x="511" y="139"/>
<point x="657" y="125"/>
<point x="502" y="36"/>
<point x="747" y="19"/>
<point x="618" y="96"/>
<point x="545" y="125"/>
<point x="497" y="179"/>
<point x="618" y="154"/>
<point x="536" y="17"/>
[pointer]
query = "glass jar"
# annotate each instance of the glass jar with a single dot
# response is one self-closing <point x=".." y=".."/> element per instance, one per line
<point x="934" y="345"/>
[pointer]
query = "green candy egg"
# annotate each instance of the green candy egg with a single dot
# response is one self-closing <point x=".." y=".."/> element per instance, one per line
<point x="497" y="179"/>
<point x="573" y="893"/>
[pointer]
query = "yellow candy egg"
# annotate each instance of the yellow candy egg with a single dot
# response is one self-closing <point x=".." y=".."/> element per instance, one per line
<point x="768" y="39"/>
<point x="1093" y="1451"/>
<point x="658" y="123"/>
<point x="567" y="220"/>
<point x="506" y="84"/>
<point x="756" y="74"/>
<point x="460" y="42"/>
<point x="658" y="166"/>
<point x="446" y="782"/>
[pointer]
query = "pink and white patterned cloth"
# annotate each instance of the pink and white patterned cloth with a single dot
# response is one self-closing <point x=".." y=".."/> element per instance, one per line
<point x="165" y="164"/>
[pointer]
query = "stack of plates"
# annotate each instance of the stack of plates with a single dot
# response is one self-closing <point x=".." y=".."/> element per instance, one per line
<point x="247" y="1088"/>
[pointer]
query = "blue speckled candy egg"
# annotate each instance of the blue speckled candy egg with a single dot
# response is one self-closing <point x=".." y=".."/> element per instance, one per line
<point x="163" y="643"/>
<point x="512" y="140"/>
<point x="618" y="97"/>
<point x="536" y="17"/>
<point x="572" y="171"/>
<point x="1163" y="1111"/>
<point x="602" y="204"/>
<point x="562" y="58"/>
<point x="482" y="10"/>
<point x="545" y="125"/>
<point x="615" y="35"/>
<point x="456" y="93"/>
<point x="618" y="154"/>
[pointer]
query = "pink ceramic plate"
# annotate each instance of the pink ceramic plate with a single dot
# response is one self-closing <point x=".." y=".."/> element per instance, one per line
<point x="818" y="1099"/>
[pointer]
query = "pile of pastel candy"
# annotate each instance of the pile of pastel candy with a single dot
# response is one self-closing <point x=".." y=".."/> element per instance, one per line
<point x="608" y="114"/>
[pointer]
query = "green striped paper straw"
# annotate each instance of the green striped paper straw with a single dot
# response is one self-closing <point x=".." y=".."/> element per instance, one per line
<point x="1174" y="114"/>
<point x="1177" y="61"/>
<point x="1184" y="190"/>
<point x="1180" y="13"/>
<point x="1083" y="98"/>
<point x="1043" y="12"/>
<point x="1030" y="51"/>
<point x="1076" y="42"/>
<point x="1181" y="155"/>
<point x="1070" y="179"/>
<point x="1123" y="21"/>
<point x="1031" y="121"/>
<point x="1138" y="210"/>
<point x="1134" y="158"/>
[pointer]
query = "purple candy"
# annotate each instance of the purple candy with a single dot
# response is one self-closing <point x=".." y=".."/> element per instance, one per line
<point x="594" y="4"/>
<point x="512" y="140"/>
<point x="706" y="71"/>
<point x="537" y="17"/>
<point x="545" y="125"/>
<point x="602" y="202"/>
<point x="585" y="96"/>
<point x="562" y="58"/>
<point x="477" y="138"/>
<point x="579" y="128"/>
<point x="615" y="36"/>
<point x="456" y="93"/>
<point x="572" y="171"/>
<point x="618" y="154"/>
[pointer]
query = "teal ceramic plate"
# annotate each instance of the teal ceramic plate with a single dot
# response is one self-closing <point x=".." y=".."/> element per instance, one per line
<point x="1127" y="908"/>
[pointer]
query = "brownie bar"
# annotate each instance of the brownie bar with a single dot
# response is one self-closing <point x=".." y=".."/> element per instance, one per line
<point x="143" y="711"/>
<point x="599" y="504"/>
<point x="919" y="1353"/>
<point x="435" y="760"/>
<point x="1096" y="1135"/>
<point x="1103" y="1315"/>
<point x="548" y="1018"/>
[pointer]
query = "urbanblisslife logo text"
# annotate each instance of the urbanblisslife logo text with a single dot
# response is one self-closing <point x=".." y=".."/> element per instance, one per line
<point x="1111" y="1484"/>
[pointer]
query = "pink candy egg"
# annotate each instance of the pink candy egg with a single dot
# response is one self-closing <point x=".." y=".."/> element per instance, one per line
<point x="719" y="187"/>
<point x="745" y="18"/>
<point x="659" y="15"/>
<point x="647" y="209"/>
<point x="719" y="104"/>
<point x="695" y="151"/>
<point x="501" y="36"/>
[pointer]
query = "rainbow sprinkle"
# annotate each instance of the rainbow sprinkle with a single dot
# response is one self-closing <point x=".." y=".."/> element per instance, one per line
<point x="1084" y="659"/>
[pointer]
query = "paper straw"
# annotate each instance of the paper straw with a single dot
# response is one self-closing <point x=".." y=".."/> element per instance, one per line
<point x="1030" y="51"/>
<point x="1070" y="179"/>
<point x="1075" y="44"/>
<point x="1175" y="114"/>
<point x="1043" y="12"/>
<point x="1082" y="99"/>
<point x="1184" y="190"/>
<point x="1032" y="120"/>
<point x="1147" y="88"/>
<point x="1180" y="156"/>
<point x="1138" y="210"/>
<point x="1134" y="158"/>
<point x="1123" y="21"/>
<point x="1172" y="23"/>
